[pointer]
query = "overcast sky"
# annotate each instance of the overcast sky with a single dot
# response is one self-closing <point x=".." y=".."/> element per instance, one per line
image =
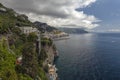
<point x="58" y="13"/>
<point x="89" y="14"/>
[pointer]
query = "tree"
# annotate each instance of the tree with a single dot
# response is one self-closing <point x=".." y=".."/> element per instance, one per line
<point x="16" y="30"/>
<point x="43" y="55"/>
<point x="29" y="61"/>
<point x="32" y="37"/>
<point x="23" y="37"/>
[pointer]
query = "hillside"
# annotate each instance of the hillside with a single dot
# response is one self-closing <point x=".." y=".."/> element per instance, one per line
<point x="7" y="14"/>
<point x="19" y="59"/>
<point x="9" y="19"/>
<point x="44" y="27"/>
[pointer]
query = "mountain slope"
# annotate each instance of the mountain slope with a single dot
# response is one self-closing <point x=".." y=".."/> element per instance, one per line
<point x="43" y="26"/>
<point x="9" y="19"/>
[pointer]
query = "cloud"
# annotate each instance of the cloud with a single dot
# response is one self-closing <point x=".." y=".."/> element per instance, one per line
<point x="61" y="13"/>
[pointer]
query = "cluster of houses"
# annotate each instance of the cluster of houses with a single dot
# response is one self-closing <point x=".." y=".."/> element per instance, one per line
<point x="52" y="71"/>
<point x="53" y="36"/>
<point x="62" y="34"/>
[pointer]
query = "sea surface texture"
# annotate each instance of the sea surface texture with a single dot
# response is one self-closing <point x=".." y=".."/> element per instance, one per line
<point x="92" y="56"/>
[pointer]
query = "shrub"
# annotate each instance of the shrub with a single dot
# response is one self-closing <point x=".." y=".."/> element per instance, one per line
<point x="32" y="37"/>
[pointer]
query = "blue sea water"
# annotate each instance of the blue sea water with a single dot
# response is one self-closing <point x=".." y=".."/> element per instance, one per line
<point x="92" y="56"/>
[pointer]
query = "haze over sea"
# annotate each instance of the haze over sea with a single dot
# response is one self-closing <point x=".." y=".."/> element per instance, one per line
<point x="92" y="56"/>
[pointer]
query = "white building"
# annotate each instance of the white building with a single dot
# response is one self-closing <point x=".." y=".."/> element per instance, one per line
<point x="52" y="72"/>
<point x="28" y="30"/>
<point x="3" y="9"/>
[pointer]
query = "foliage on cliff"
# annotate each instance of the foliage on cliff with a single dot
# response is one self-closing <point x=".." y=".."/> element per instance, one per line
<point x="29" y="61"/>
<point x="13" y="43"/>
<point x="46" y="41"/>
<point x="7" y="62"/>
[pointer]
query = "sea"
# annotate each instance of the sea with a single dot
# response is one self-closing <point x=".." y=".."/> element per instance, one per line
<point x="91" y="56"/>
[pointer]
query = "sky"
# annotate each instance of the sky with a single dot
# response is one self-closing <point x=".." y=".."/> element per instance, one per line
<point x="108" y="11"/>
<point x="88" y="14"/>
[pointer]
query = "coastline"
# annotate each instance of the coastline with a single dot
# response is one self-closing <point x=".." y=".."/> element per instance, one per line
<point x="48" y="64"/>
<point x="61" y="38"/>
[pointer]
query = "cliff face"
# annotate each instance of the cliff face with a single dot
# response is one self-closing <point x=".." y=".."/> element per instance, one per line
<point x="50" y="53"/>
<point x="48" y="64"/>
<point x="49" y="49"/>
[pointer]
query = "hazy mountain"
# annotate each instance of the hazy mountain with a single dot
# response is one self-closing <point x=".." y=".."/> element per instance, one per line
<point x="44" y="26"/>
<point x="73" y="30"/>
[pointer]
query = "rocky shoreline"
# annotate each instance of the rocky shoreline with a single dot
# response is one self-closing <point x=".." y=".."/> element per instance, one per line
<point x="48" y="64"/>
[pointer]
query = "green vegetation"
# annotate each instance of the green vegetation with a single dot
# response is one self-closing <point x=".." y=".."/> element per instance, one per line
<point x="14" y="44"/>
<point x="22" y="20"/>
<point x="30" y="64"/>
<point x="7" y="62"/>
<point x="9" y="19"/>
<point x="42" y="74"/>
<point x="32" y="37"/>
<point x="24" y="77"/>
<point x="43" y="55"/>
<point x="46" y="41"/>
<point x="6" y="24"/>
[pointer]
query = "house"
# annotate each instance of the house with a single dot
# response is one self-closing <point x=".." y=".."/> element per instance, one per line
<point x="19" y="60"/>
<point x="52" y="72"/>
<point x="3" y="10"/>
<point x="28" y="30"/>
